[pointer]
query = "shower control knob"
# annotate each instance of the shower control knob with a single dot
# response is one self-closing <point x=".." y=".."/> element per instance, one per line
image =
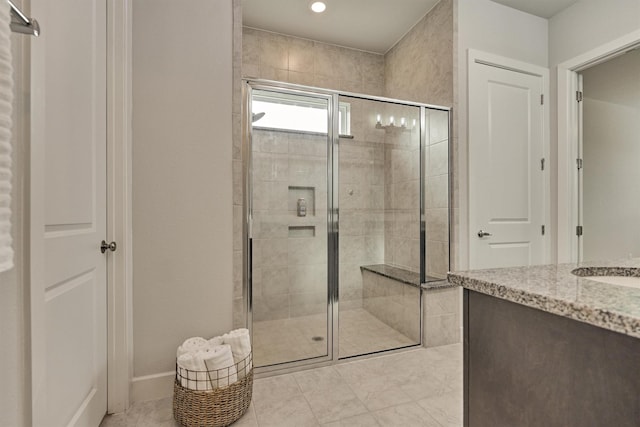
<point x="482" y="234"/>
<point x="110" y="246"/>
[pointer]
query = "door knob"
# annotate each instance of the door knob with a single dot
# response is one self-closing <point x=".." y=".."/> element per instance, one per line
<point x="110" y="246"/>
<point x="482" y="234"/>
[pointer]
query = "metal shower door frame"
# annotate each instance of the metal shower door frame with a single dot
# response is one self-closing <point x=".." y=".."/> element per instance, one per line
<point x="333" y="211"/>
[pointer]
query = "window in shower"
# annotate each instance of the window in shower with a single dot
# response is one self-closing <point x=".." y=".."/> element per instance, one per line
<point x="272" y="110"/>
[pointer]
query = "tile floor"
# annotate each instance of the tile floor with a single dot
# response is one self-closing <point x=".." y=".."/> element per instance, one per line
<point x="285" y="340"/>
<point x="420" y="387"/>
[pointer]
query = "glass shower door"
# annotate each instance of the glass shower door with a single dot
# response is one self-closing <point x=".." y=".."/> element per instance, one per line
<point x="380" y="240"/>
<point x="290" y="136"/>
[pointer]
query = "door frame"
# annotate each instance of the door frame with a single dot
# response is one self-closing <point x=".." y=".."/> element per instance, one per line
<point x="568" y="140"/>
<point x="119" y="205"/>
<point x="476" y="56"/>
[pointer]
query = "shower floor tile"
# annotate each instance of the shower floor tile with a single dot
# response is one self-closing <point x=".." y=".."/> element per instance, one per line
<point x="286" y="340"/>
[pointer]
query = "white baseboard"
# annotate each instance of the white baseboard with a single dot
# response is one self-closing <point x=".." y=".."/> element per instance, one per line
<point x="152" y="387"/>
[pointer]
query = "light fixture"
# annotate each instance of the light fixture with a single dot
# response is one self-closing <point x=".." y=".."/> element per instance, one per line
<point x="404" y="125"/>
<point x="318" y="6"/>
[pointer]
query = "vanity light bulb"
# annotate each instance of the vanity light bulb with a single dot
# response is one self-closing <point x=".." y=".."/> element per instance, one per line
<point x="402" y="122"/>
<point x="391" y="120"/>
<point x="378" y="119"/>
<point x="414" y="122"/>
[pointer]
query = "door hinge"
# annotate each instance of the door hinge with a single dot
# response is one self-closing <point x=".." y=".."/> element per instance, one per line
<point x="543" y="230"/>
<point x="579" y="96"/>
<point x="542" y="164"/>
<point x="541" y="99"/>
<point x="579" y="163"/>
<point x="579" y="230"/>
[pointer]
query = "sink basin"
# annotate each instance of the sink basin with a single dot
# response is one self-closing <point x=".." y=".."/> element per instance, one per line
<point x="618" y="276"/>
<point x="631" y="282"/>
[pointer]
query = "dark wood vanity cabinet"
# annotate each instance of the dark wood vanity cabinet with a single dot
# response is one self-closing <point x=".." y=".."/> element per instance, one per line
<point x="526" y="367"/>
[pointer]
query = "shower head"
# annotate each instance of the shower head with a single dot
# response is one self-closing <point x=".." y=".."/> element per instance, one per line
<point x="256" y="116"/>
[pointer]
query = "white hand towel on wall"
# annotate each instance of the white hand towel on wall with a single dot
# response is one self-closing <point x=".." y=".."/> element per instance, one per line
<point x="191" y="345"/>
<point x="241" y="348"/>
<point x="6" y="103"/>
<point x="220" y="365"/>
<point x="193" y="372"/>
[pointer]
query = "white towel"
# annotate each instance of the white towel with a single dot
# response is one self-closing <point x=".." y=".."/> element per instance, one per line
<point x="216" y="341"/>
<point x="6" y="103"/>
<point x="193" y="372"/>
<point x="220" y="366"/>
<point x="240" y="344"/>
<point x="191" y="345"/>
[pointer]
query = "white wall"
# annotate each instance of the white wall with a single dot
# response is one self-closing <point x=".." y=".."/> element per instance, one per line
<point x="589" y="24"/>
<point x="182" y="188"/>
<point x="500" y="30"/>
<point x="13" y="335"/>
<point x="611" y="153"/>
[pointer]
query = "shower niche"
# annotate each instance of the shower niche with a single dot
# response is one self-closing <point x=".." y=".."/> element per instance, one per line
<point x="344" y="203"/>
<point x="302" y="201"/>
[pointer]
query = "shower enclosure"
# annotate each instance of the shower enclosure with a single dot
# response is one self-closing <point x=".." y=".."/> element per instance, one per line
<point x="337" y="240"/>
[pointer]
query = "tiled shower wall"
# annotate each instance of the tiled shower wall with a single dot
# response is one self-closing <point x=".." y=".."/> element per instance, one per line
<point x="420" y="68"/>
<point x="361" y="200"/>
<point x="289" y="251"/>
<point x="402" y="189"/>
<point x="278" y="57"/>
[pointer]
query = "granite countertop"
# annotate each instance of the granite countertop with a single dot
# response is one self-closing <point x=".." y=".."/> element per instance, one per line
<point x="554" y="289"/>
<point x="406" y="276"/>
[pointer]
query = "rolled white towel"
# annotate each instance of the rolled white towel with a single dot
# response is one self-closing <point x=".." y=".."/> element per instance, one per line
<point x="192" y="345"/>
<point x="240" y="344"/>
<point x="216" y="341"/>
<point x="193" y="372"/>
<point x="220" y="366"/>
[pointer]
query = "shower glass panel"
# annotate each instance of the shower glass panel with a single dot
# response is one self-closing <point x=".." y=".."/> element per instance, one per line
<point x="380" y="240"/>
<point x="347" y="222"/>
<point x="288" y="205"/>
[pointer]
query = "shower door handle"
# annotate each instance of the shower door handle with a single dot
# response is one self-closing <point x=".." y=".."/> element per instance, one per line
<point x="482" y="234"/>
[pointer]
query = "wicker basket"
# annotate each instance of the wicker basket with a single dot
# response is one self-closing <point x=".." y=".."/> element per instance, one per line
<point x="212" y="408"/>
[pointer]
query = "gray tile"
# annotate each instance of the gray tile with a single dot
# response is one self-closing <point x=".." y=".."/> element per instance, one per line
<point x="381" y="397"/>
<point x="317" y="379"/>
<point x="268" y="391"/>
<point x="406" y="415"/>
<point x="364" y="420"/>
<point x="293" y="411"/>
<point x="119" y="420"/>
<point x="446" y="408"/>
<point x="335" y="403"/>
<point x="248" y="419"/>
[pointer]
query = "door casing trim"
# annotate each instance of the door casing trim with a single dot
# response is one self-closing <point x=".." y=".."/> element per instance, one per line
<point x="568" y="139"/>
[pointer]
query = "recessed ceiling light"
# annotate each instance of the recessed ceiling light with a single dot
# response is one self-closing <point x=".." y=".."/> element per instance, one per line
<point x="318" y="6"/>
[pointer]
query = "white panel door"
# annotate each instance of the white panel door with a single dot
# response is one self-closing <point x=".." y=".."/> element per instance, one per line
<point x="506" y="180"/>
<point x="68" y="302"/>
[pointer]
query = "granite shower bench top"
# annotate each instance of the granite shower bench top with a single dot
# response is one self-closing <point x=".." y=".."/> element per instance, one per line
<point x="555" y="289"/>
<point x="406" y="276"/>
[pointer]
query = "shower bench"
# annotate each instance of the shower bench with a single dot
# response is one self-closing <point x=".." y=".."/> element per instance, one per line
<point x="392" y="294"/>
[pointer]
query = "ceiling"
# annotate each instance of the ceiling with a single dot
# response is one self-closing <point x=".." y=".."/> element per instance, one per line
<point x="371" y="25"/>
<point x="542" y="8"/>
